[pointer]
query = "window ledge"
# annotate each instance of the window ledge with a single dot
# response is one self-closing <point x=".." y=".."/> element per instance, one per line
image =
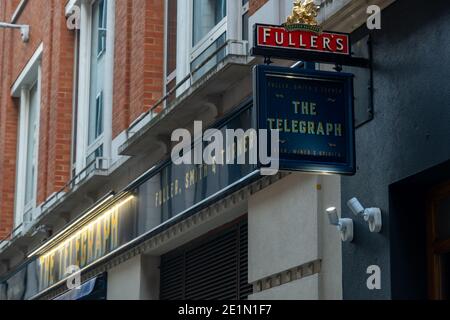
<point x="50" y="214"/>
<point x="150" y="132"/>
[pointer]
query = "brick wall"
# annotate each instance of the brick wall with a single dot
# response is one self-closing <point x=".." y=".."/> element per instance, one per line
<point x="47" y="26"/>
<point x="254" y="5"/>
<point x="138" y="84"/>
<point x="139" y="59"/>
<point x="8" y="123"/>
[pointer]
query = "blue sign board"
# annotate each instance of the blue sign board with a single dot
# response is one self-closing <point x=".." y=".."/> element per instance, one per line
<point x="313" y="110"/>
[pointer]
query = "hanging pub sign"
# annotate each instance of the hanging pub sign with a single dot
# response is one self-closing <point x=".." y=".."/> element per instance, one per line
<point x="301" y="38"/>
<point x="313" y="111"/>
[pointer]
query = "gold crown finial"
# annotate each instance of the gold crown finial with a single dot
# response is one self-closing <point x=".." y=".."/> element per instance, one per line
<point x="304" y="12"/>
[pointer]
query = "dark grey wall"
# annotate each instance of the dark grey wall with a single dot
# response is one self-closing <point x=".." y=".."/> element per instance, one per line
<point x="410" y="133"/>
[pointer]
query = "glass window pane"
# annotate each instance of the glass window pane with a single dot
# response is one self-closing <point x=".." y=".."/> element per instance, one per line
<point x="207" y="14"/>
<point x="171" y="37"/>
<point x="75" y="97"/>
<point x="97" y="79"/>
<point x="96" y="119"/>
<point x="90" y="160"/>
<point x="99" y="116"/>
<point x="169" y="87"/>
<point x="31" y="145"/>
<point x="245" y="17"/>
<point x="205" y="54"/>
<point x="101" y="16"/>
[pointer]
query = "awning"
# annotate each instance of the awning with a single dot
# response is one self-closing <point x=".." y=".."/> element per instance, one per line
<point x="77" y="294"/>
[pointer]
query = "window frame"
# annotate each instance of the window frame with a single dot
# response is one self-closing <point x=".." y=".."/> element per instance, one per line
<point x="101" y="49"/>
<point x="84" y="149"/>
<point x="210" y="38"/>
<point x="168" y="78"/>
<point x="32" y="203"/>
<point x="187" y="53"/>
<point x="27" y="80"/>
<point x="244" y="9"/>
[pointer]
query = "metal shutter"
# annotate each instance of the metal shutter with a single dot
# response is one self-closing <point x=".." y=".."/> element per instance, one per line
<point x="214" y="268"/>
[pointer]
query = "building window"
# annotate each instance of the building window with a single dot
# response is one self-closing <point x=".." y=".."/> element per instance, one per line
<point x="31" y="146"/>
<point x="27" y="88"/>
<point x="100" y="15"/>
<point x="97" y="81"/>
<point x="171" y="46"/>
<point x="95" y="86"/>
<point x="75" y="103"/>
<point x="207" y="15"/>
<point x="209" y="33"/>
<point x="204" y="29"/>
<point x="245" y="19"/>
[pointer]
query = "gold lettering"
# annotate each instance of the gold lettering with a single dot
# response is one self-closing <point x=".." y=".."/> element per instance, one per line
<point x="302" y="125"/>
<point x="296" y="106"/>
<point x="106" y="231"/>
<point x="330" y="128"/>
<point x="114" y="228"/>
<point x="51" y="266"/>
<point x="98" y="240"/>
<point x="320" y="130"/>
<point x="311" y="128"/>
<point x="90" y="246"/>
<point x="77" y="250"/>
<point x="338" y="130"/>
<point x="83" y="249"/>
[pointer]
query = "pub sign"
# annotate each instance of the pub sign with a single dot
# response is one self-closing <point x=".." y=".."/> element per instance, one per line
<point x="313" y="111"/>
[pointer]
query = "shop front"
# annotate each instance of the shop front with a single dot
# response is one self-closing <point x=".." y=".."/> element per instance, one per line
<point x="158" y="202"/>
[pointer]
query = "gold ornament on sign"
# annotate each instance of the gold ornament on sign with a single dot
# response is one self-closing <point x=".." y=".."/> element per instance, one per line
<point x="303" y="16"/>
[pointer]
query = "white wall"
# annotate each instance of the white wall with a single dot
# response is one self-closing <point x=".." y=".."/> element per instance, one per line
<point x="134" y="279"/>
<point x="288" y="228"/>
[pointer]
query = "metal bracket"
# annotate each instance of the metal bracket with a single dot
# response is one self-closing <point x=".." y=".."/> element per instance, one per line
<point x="268" y="61"/>
<point x="354" y="63"/>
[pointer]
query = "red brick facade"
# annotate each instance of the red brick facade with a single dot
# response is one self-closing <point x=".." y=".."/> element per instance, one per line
<point x="254" y="5"/>
<point x="138" y="83"/>
<point x="139" y="59"/>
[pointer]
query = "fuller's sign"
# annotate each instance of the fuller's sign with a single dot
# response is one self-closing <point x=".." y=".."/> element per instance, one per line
<point x="313" y="111"/>
<point x="300" y="44"/>
<point x="301" y="38"/>
<point x="280" y="37"/>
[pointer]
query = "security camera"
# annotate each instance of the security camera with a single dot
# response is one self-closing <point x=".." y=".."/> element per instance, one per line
<point x="371" y="215"/>
<point x="355" y="206"/>
<point x="345" y="226"/>
<point x="333" y="216"/>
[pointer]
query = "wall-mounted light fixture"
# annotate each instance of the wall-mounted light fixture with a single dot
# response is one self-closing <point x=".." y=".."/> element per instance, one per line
<point x="24" y="29"/>
<point x="371" y="215"/>
<point x="345" y="226"/>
